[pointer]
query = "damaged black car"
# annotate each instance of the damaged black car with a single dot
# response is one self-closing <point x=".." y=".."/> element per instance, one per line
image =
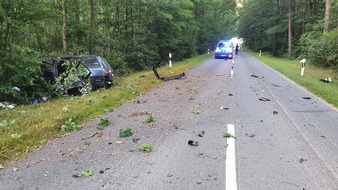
<point x="77" y="74"/>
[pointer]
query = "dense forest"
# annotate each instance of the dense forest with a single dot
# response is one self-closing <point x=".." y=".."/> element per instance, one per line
<point x="137" y="34"/>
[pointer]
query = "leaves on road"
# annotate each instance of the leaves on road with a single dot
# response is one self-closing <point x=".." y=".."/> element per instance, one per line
<point x="125" y="133"/>
<point x="146" y="148"/>
<point x="228" y="135"/>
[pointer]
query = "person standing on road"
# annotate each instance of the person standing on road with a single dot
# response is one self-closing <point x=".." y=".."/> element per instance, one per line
<point x="237" y="46"/>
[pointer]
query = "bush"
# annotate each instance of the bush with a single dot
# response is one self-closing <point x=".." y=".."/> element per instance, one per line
<point x="20" y="75"/>
<point x="321" y="49"/>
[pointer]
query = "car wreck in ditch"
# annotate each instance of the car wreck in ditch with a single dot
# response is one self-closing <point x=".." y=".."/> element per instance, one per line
<point x="77" y="74"/>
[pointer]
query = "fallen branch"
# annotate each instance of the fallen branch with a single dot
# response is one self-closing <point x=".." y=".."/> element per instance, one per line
<point x="89" y="136"/>
<point x="167" y="78"/>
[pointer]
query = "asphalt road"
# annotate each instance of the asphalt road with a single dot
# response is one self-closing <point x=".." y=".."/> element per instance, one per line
<point x="259" y="131"/>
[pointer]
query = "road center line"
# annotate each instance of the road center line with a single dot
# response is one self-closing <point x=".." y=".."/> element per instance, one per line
<point x="230" y="161"/>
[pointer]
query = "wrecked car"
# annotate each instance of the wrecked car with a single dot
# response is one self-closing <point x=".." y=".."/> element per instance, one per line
<point x="77" y="74"/>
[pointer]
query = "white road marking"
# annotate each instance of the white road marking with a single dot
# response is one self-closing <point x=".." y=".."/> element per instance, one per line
<point x="230" y="161"/>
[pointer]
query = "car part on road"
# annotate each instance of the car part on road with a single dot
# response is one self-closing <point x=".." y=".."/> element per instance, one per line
<point x="264" y="99"/>
<point x="167" y="78"/>
<point x="193" y="143"/>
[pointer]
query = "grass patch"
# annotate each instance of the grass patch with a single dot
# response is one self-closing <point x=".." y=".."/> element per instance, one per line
<point x="291" y="69"/>
<point x="39" y="123"/>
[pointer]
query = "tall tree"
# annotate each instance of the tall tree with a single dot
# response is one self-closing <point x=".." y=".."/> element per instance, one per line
<point x="62" y="6"/>
<point x="92" y="27"/>
<point x="291" y="10"/>
<point x="327" y="16"/>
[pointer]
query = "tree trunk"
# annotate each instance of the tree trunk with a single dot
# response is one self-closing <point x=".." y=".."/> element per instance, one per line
<point x="290" y="30"/>
<point x="327" y="16"/>
<point x="92" y="28"/>
<point x="64" y="27"/>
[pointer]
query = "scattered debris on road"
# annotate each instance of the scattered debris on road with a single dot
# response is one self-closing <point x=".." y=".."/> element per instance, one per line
<point x="146" y="148"/>
<point x="196" y="111"/>
<point x="307" y="98"/>
<point x="250" y="135"/>
<point x="135" y="140"/>
<point x="125" y="133"/>
<point x="141" y="102"/>
<point x="201" y="133"/>
<point x="275" y="112"/>
<point x="87" y="173"/>
<point x="139" y="113"/>
<point x="228" y="135"/>
<point x="264" y="99"/>
<point x="167" y="78"/>
<point x="193" y="143"/>
<point x="84" y="138"/>
<point x="103" y="123"/>
<point x="302" y="160"/>
<point x="224" y="108"/>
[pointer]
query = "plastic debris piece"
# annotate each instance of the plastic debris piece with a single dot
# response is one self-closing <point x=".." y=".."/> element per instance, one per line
<point x="264" y="99"/>
<point x="135" y="140"/>
<point x="193" y="143"/>
<point x="327" y="80"/>
<point x="250" y="135"/>
<point x="302" y="160"/>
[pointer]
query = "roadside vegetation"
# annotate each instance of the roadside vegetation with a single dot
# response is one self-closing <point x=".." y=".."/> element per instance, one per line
<point x="311" y="79"/>
<point x="29" y="127"/>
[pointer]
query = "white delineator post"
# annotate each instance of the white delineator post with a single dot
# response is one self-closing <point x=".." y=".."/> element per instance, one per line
<point x="232" y="69"/>
<point x="232" y="72"/>
<point x="170" y="64"/>
<point x="303" y="67"/>
<point x="260" y="53"/>
<point x="208" y="51"/>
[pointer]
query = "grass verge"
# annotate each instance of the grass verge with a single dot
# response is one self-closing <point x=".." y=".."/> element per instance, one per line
<point x="26" y="128"/>
<point x="311" y="79"/>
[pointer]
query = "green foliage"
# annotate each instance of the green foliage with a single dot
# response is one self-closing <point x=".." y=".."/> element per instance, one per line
<point x="70" y="125"/>
<point x="16" y="136"/>
<point x="196" y="111"/>
<point x="324" y="51"/>
<point x="74" y="72"/>
<point x="132" y="36"/>
<point x="103" y="123"/>
<point x="87" y="173"/>
<point x="5" y="123"/>
<point x="146" y="148"/>
<point x="228" y="135"/>
<point x="20" y="68"/>
<point x="125" y="132"/>
<point x="149" y="118"/>
<point x="264" y="26"/>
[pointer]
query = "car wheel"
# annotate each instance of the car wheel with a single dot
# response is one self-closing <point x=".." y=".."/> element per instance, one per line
<point x="86" y="87"/>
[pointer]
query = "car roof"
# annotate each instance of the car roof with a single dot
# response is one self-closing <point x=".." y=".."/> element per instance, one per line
<point x="76" y="56"/>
